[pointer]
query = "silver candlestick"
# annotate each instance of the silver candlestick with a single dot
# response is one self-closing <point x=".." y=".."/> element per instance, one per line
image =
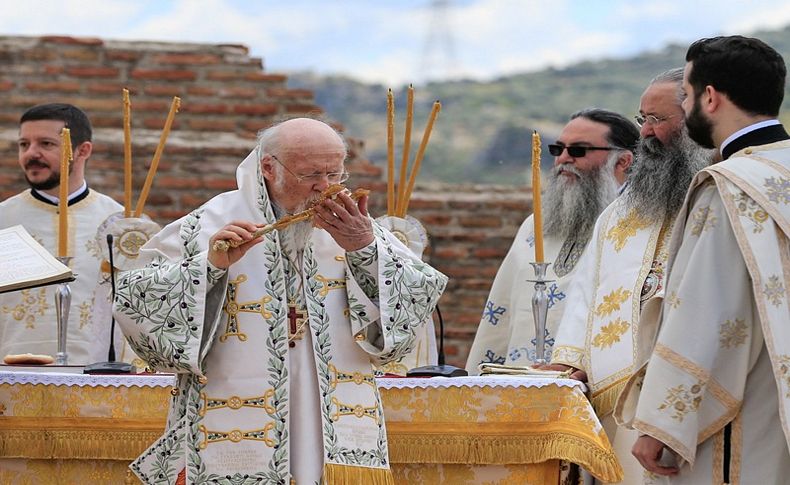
<point x="540" y="309"/>
<point x="62" y="307"/>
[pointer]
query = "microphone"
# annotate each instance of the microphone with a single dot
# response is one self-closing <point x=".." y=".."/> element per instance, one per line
<point x="441" y="370"/>
<point x="111" y="366"/>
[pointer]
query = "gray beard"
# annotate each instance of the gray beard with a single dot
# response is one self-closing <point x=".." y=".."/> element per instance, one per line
<point x="661" y="175"/>
<point x="571" y="208"/>
<point x="294" y="237"/>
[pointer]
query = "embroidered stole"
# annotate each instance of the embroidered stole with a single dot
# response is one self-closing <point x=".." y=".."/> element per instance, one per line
<point x="627" y="242"/>
<point x="755" y="190"/>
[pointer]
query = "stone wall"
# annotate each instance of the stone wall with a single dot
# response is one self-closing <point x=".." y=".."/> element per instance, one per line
<point x="227" y="96"/>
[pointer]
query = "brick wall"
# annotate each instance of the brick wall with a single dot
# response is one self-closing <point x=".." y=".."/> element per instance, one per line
<point x="227" y="96"/>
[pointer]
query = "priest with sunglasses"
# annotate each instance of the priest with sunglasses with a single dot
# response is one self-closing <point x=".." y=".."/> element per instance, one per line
<point x="592" y="155"/>
<point x="274" y="339"/>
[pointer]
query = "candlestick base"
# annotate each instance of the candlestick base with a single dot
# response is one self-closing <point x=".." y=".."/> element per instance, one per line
<point x="540" y="308"/>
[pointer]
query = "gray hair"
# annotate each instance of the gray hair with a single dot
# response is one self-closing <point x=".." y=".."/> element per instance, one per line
<point x="268" y="140"/>
<point x="674" y="75"/>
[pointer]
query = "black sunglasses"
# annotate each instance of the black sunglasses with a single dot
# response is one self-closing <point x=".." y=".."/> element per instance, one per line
<point x="575" y="151"/>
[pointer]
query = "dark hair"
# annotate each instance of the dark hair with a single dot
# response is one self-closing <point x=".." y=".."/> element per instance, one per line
<point x="74" y="118"/>
<point x="622" y="132"/>
<point x="747" y="70"/>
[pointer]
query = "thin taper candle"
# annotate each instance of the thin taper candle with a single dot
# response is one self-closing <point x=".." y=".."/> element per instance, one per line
<point x="537" y="214"/>
<point x="127" y="154"/>
<point x="437" y="106"/>
<point x="390" y="153"/>
<point x="149" y="180"/>
<point x="63" y="193"/>
<point x="406" y="148"/>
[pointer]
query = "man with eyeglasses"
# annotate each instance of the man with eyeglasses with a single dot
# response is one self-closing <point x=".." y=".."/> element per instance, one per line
<point x="622" y="274"/>
<point x="274" y="340"/>
<point x="712" y="403"/>
<point x="592" y="155"/>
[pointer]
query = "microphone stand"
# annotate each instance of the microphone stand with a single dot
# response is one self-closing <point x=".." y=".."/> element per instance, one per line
<point x="440" y="370"/>
<point x="111" y="366"/>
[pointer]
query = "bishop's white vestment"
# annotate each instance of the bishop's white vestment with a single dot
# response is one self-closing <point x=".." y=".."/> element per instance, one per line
<point x="274" y="357"/>
<point x="620" y="278"/>
<point x="28" y="321"/>
<point x="506" y="334"/>
<point x="717" y="386"/>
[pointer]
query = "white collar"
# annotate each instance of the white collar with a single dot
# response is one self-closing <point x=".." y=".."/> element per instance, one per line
<point x="72" y="195"/>
<point x="745" y="130"/>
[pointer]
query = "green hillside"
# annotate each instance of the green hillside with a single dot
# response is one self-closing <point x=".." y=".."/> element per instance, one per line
<point x="482" y="133"/>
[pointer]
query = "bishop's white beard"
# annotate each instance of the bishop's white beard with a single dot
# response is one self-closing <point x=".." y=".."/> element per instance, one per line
<point x="570" y="209"/>
<point x="294" y="237"/>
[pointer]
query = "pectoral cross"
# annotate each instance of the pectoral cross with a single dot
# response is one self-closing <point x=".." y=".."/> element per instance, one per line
<point x="296" y="323"/>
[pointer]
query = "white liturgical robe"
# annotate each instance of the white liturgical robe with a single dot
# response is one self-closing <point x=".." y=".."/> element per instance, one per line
<point x="275" y="355"/>
<point x="27" y="318"/>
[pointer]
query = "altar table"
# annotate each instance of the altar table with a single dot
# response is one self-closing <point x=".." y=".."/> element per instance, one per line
<point x="62" y="427"/>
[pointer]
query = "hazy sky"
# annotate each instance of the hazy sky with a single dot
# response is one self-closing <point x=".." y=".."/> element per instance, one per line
<point x="396" y="41"/>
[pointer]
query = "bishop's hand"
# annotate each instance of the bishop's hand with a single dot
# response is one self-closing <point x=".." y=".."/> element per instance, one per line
<point x="346" y="221"/>
<point x="238" y="231"/>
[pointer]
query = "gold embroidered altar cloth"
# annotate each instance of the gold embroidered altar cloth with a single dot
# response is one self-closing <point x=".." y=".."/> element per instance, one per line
<point x="61" y="427"/>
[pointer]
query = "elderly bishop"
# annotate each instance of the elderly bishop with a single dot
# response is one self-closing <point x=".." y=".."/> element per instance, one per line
<point x="274" y="340"/>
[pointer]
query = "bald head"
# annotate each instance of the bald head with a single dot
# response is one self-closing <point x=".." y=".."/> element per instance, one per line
<point x="299" y="159"/>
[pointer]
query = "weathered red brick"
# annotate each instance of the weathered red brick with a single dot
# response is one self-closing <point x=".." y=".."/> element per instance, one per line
<point x="163" y="89"/>
<point x="110" y="88"/>
<point x="220" y="184"/>
<point x="90" y="71"/>
<point x="83" y="54"/>
<point x="201" y="91"/>
<point x="57" y="86"/>
<point x="117" y="55"/>
<point x="211" y="125"/>
<point x="255" y="109"/>
<point x="237" y="92"/>
<point x="186" y="59"/>
<point x="173" y="182"/>
<point x="260" y="76"/>
<point x="285" y="93"/>
<point x="61" y="39"/>
<point x="307" y="109"/>
<point x="53" y="69"/>
<point x="6" y="85"/>
<point x="166" y="74"/>
<point x="204" y="108"/>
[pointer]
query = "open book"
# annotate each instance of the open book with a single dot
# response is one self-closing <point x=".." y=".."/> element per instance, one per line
<point x="24" y="263"/>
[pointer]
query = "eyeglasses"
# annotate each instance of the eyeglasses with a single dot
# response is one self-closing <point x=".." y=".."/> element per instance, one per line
<point x="575" y="151"/>
<point x="314" y="178"/>
<point x="642" y="120"/>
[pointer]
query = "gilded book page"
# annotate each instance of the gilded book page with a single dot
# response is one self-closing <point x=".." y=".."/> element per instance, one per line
<point x="24" y="263"/>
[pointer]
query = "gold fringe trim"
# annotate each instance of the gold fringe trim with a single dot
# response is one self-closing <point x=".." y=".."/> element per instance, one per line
<point x="75" y="444"/>
<point x="503" y="450"/>
<point x="604" y="401"/>
<point x="335" y="474"/>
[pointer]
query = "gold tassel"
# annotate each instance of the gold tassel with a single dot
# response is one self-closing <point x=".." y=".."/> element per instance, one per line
<point x="78" y="444"/>
<point x="603" y="402"/>
<point x="506" y="450"/>
<point x="335" y="474"/>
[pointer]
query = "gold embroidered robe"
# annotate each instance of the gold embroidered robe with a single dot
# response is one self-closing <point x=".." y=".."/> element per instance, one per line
<point x="618" y="280"/>
<point x="27" y="318"/>
<point x="249" y="408"/>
